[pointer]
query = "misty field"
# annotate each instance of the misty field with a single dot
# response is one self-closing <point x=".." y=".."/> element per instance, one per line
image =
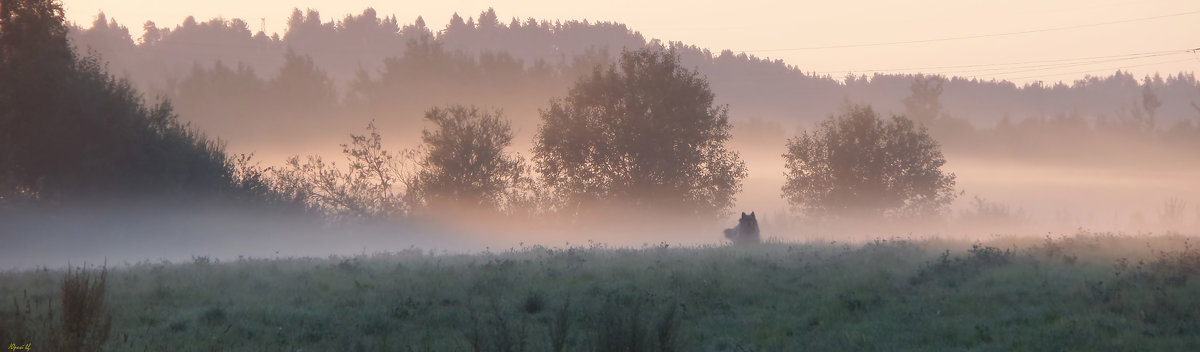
<point x="1078" y="292"/>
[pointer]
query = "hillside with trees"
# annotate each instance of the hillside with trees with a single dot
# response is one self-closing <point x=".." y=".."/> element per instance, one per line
<point x="344" y="47"/>
<point x="235" y="84"/>
<point x="69" y="131"/>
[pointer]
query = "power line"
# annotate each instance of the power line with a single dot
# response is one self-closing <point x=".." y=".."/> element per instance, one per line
<point x="1097" y="70"/>
<point x="1043" y="67"/>
<point x="843" y="46"/>
<point x="1130" y="56"/>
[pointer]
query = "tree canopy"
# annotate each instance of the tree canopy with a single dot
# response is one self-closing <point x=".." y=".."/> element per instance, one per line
<point x="465" y="164"/>
<point x="857" y="164"/>
<point x="642" y="132"/>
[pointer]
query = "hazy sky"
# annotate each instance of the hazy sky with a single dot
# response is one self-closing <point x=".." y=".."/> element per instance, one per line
<point x="1080" y="36"/>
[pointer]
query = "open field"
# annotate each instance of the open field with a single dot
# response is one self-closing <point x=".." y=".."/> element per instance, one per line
<point x="1077" y="292"/>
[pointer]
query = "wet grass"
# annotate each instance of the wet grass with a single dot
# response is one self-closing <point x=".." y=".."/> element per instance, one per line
<point x="1080" y="292"/>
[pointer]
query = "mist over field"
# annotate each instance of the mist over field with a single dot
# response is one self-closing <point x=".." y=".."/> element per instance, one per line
<point x="1107" y="153"/>
<point x="402" y="174"/>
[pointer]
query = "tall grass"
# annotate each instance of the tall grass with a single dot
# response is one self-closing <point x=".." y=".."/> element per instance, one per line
<point x="85" y="323"/>
<point x="80" y="323"/>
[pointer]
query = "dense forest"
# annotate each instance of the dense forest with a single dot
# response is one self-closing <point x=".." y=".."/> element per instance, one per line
<point x="338" y="74"/>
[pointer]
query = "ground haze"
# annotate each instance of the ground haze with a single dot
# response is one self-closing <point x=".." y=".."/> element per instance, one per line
<point x="343" y="177"/>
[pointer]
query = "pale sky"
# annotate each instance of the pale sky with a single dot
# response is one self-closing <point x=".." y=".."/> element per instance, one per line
<point x="1100" y="36"/>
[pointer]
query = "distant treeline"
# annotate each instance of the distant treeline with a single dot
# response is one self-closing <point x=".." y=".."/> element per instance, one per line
<point x="352" y="47"/>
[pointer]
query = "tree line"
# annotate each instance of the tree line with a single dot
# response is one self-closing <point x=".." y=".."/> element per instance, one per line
<point x="642" y="135"/>
<point x="358" y="44"/>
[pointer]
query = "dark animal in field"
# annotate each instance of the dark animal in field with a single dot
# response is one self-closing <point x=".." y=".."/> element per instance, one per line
<point x="746" y="231"/>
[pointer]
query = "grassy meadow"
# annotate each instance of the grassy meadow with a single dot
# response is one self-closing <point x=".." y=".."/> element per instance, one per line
<point x="1083" y="292"/>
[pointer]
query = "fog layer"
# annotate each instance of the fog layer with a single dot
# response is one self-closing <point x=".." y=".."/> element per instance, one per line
<point x="1113" y="153"/>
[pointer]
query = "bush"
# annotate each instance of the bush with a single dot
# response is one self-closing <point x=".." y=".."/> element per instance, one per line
<point x="856" y="164"/>
<point x="371" y="186"/>
<point x="465" y="165"/>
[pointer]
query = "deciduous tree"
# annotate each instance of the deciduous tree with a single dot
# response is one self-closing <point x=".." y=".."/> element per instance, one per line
<point x="857" y="164"/>
<point x="644" y="132"/>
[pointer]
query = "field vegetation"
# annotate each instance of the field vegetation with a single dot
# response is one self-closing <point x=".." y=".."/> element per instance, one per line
<point x="1079" y="292"/>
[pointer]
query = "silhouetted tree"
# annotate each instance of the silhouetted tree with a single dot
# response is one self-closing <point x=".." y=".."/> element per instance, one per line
<point x="856" y="164"/>
<point x="488" y="20"/>
<point x="923" y="104"/>
<point x="301" y="89"/>
<point x="222" y="95"/>
<point x="107" y="36"/>
<point x="1150" y="100"/>
<point x="465" y="165"/>
<point x="152" y="34"/>
<point x="643" y="132"/>
<point x="69" y="130"/>
<point x="429" y="75"/>
<point x="34" y="55"/>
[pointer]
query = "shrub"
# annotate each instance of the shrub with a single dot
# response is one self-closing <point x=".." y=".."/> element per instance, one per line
<point x="85" y="322"/>
<point x="856" y="164"/>
<point x="951" y="271"/>
<point x="464" y="164"/>
<point x="371" y="186"/>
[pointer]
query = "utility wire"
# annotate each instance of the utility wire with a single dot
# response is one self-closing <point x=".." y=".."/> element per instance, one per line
<point x="975" y="36"/>
<point x="1096" y="70"/>
<point x="1012" y="64"/>
<point x="1043" y="67"/>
